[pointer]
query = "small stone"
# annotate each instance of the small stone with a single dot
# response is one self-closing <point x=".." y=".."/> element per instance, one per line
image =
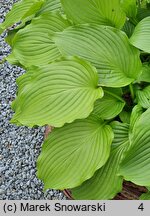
<point x="2" y="191"/>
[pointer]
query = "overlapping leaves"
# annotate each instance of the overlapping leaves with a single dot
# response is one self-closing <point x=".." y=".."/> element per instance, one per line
<point x="145" y="75"/>
<point x="88" y="153"/>
<point x="107" y="48"/>
<point x="105" y="12"/>
<point x="56" y="94"/>
<point x="129" y="7"/>
<point x="73" y="153"/>
<point x="106" y="182"/>
<point x="21" y="11"/>
<point x="143" y="97"/>
<point x="102" y="106"/>
<point x="33" y="46"/>
<point x="136" y="165"/>
<point x="50" y="6"/>
<point x="141" y="35"/>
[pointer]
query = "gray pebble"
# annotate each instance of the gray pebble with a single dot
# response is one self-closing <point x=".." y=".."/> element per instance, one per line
<point x="2" y="191"/>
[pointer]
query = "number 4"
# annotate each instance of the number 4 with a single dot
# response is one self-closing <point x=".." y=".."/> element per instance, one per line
<point x="141" y="207"/>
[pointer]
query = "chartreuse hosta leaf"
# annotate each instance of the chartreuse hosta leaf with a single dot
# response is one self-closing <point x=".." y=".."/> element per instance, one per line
<point x="10" y="36"/>
<point x="107" y="48"/>
<point x="136" y="165"/>
<point x="145" y="75"/>
<point x="50" y="5"/>
<point x="135" y="115"/>
<point x="129" y="7"/>
<point x="106" y="183"/>
<point x="125" y="116"/>
<point x="21" y="11"/>
<point x="110" y="105"/>
<point x="73" y="153"/>
<point x="145" y="196"/>
<point x="105" y="12"/>
<point x="32" y="45"/>
<point x="56" y="94"/>
<point x="143" y="97"/>
<point x="141" y="35"/>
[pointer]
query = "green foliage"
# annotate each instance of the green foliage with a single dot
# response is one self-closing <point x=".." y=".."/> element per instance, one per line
<point x="88" y="75"/>
<point x="140" y="37"/>
<point x="106" y="183"/>
<point x="22" y="11"/>
<point x="136" y="165"/>
<point x="80" y="149"/>
<point x="106" y="12"/>
<point x="129" y="7"/>
<point x="117" y="62"/>
<point x="145" y="196"/>
<point x="56" y="94"/>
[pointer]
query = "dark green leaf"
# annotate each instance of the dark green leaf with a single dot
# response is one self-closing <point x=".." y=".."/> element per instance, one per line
<point x="128" y="28"/>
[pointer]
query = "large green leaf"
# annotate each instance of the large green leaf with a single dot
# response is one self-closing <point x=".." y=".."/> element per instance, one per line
<point x="129" y="7"/>
<point x="117" y="62"/>
<point x="136" y="165"/>
<point x="21" y="11"/>
<point x="110" y="105"/>
<point x="50" y="5"/>
<point x="32" y="45"/>
<point x="73" y="153"/>
<point x="105" y="12"/>
<point x="106" y="183"/>
<point x="141" y="35"/>
<point x="143" y="97"/>
<point x="56" y="94"/>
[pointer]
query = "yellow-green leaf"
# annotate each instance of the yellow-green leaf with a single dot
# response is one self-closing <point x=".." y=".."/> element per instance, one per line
<point x="106" y="182"/>
<point x="103" y="12"/>
<point x="108" y="49"/>
<point x="73" y="153"/>
<point x="56" y="94"/>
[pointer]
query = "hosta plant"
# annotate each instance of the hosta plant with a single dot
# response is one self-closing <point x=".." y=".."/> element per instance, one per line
<point x="87" y="74"/>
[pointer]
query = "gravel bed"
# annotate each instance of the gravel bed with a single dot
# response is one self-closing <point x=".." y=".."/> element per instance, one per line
<point x="19" y="146"/>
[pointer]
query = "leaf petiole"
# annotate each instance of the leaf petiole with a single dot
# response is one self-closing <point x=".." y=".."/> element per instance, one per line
<point x="131" y="91"/>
